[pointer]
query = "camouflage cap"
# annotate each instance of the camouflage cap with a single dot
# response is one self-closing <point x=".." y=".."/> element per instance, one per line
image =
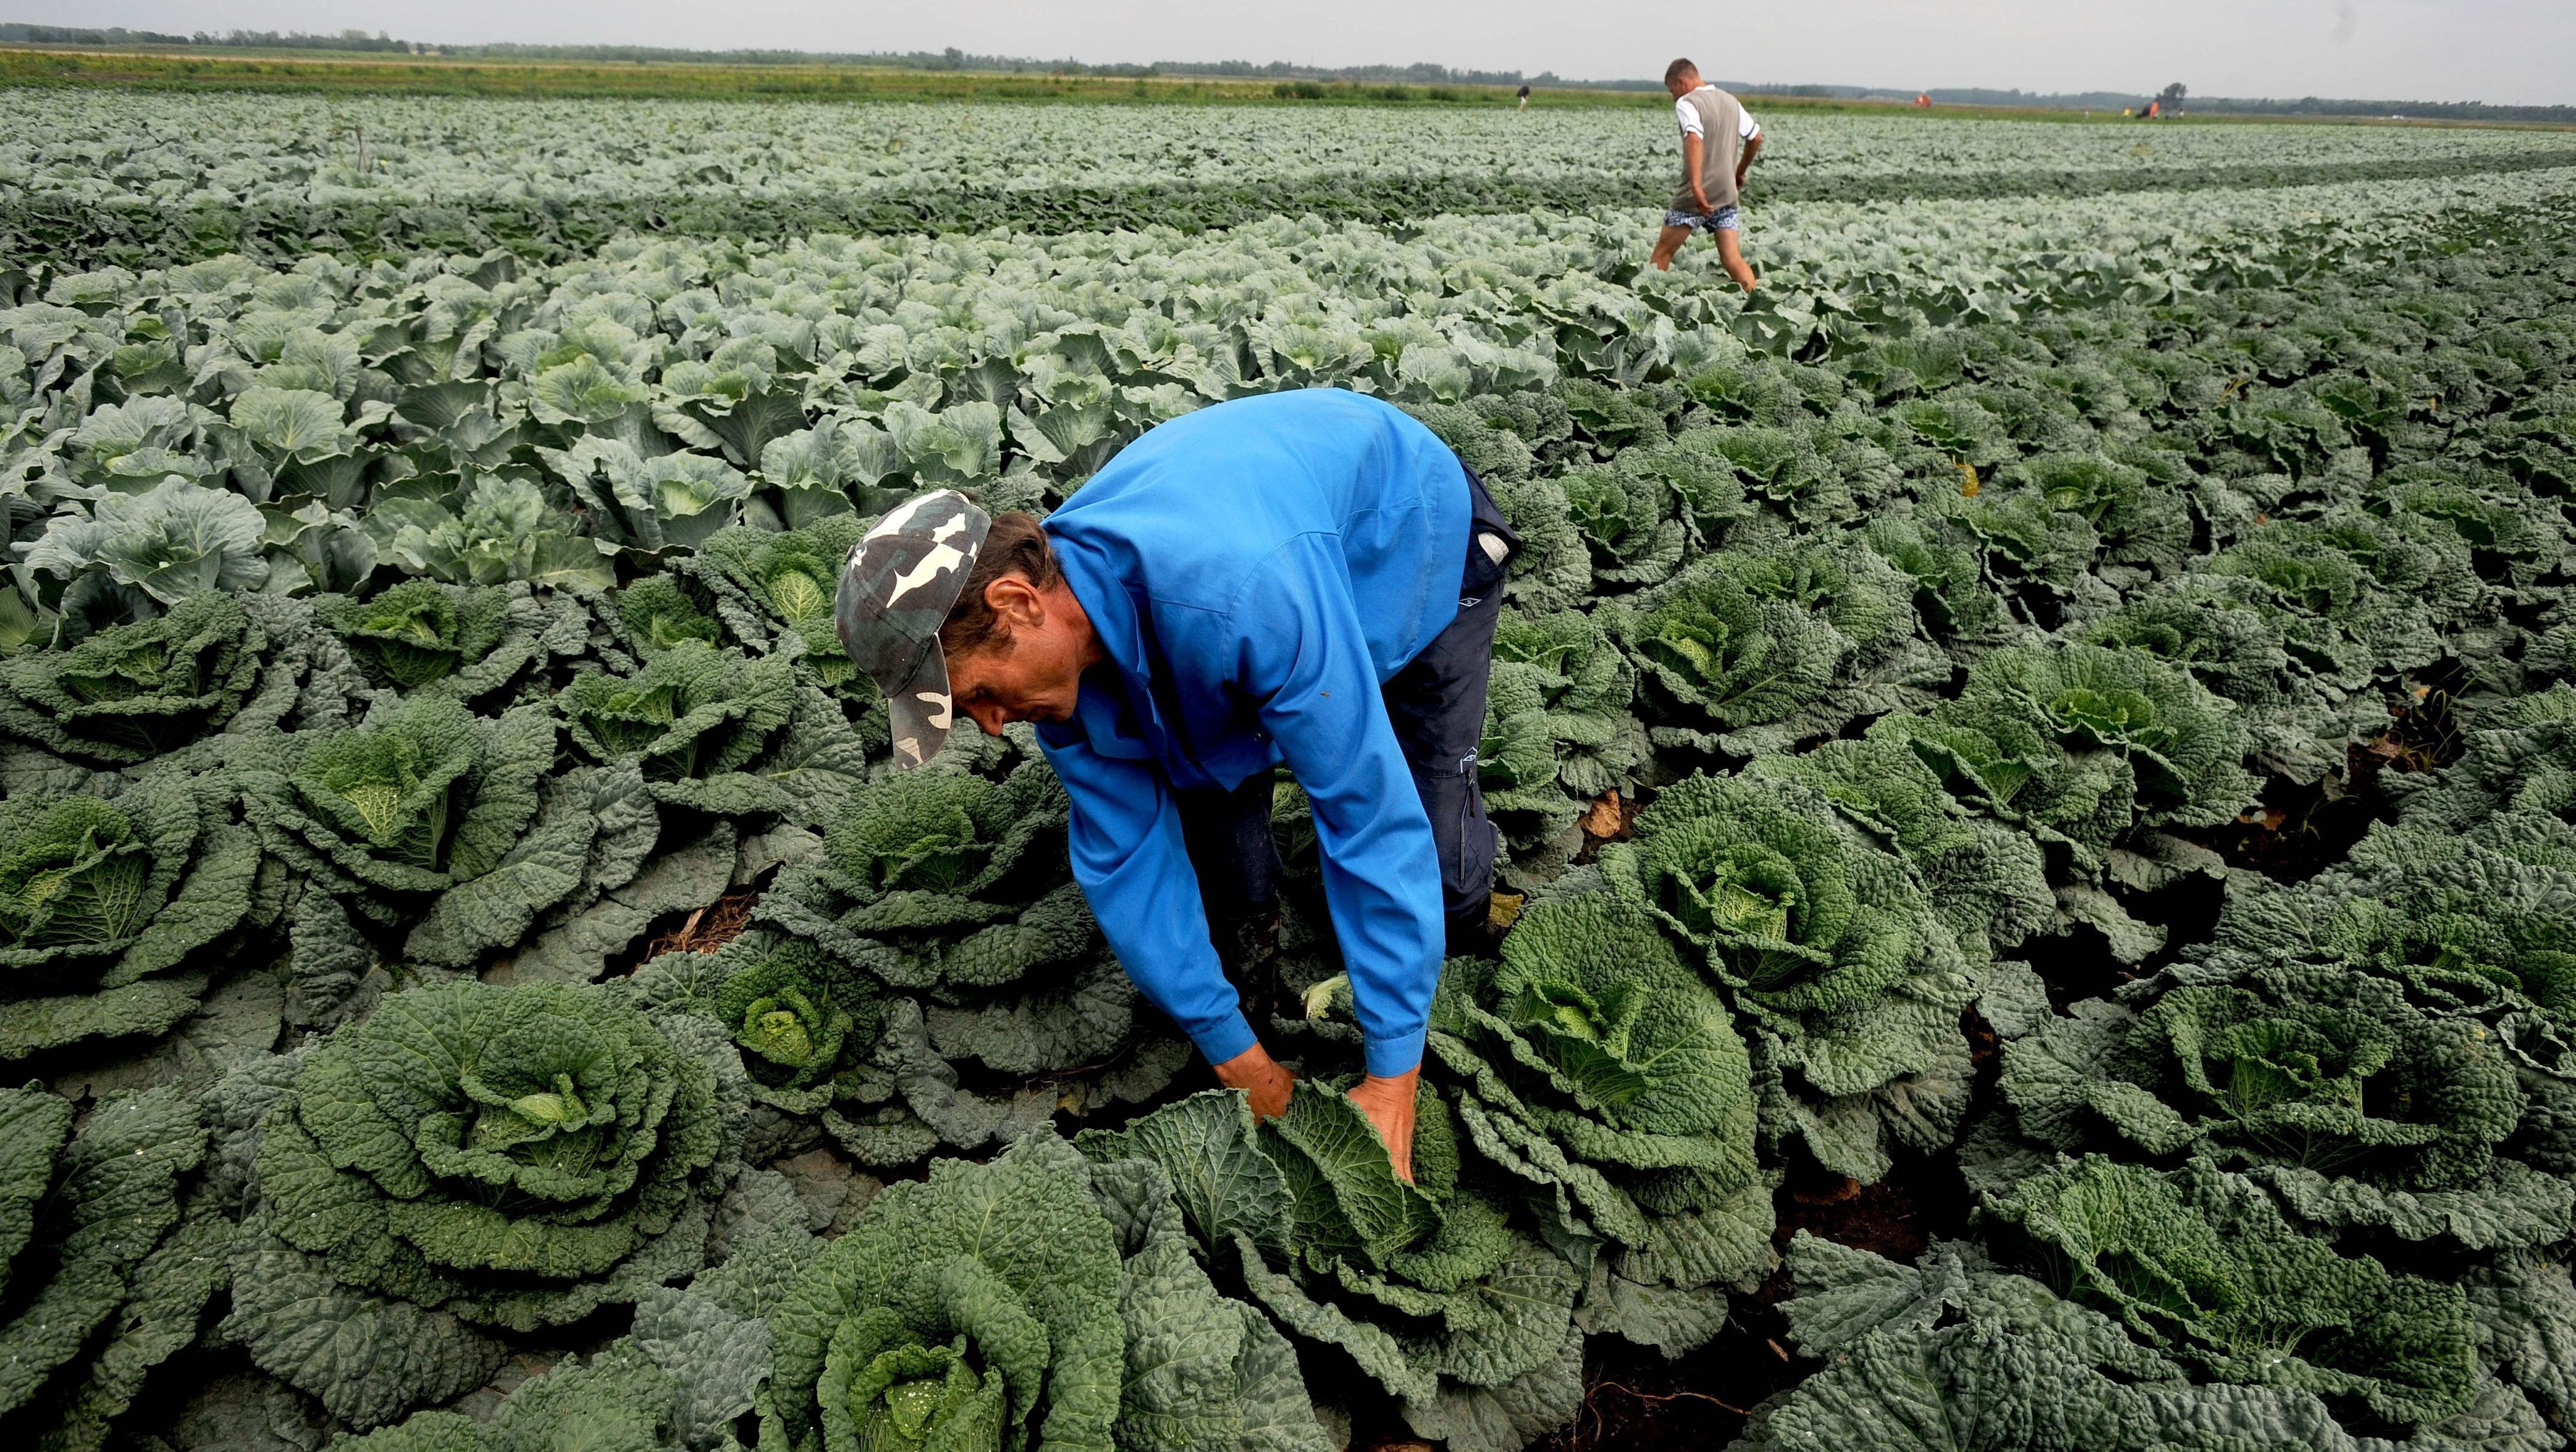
<point x="895" y="593"/>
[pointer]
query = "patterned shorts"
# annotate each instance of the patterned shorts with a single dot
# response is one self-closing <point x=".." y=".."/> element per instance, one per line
<point x="1724" y="219"/>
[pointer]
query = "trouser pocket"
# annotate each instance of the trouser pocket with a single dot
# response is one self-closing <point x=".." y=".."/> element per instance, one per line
<point x="1454" y="800"/>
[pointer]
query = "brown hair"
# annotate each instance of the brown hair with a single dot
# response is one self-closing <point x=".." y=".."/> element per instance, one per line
<point x="1015" y="545"/>
<point x="1679" y="69"/>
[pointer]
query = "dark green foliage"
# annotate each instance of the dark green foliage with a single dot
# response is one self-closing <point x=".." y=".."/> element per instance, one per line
<point x="1594" y="1065"/>
<point x="658" y="613"/>
<point x="401" y="640"/>
<point x="2199" y="1262"/>
<point x="106" y="1258"/>
<point x="137" y="693"/>
<point x="800" y="1016"/>
<point x="1754" y="650"/>
<point x="774" y="592"/>
<point x="113" y="912"/>
<point x="1431" y="1289"/>
<point x="419" y="632"/>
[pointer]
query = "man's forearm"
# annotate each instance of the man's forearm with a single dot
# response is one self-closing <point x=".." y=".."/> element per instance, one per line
<point x="1691" y="157"/>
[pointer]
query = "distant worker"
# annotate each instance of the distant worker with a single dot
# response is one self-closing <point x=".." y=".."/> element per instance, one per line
<point x="1524" y="95"/>
<point x="1923" y="101"/>
<point x="2155" y="109"/>
<point x="1719" y="142"/>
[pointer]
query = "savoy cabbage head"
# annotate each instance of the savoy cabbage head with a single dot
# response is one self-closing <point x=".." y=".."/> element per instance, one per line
<point x="1825" y="943"/>
<point x="113" y="912"/>
<point x="106" y="1257"/>
<point x="803" y="1019"/>
<point x="1557" y="726"/>
<point x="139" y="693"/>
<point x="2038" y="558"/>
<point x="514" y="1157"/>
<point x="2364" y="596"/>
<point x="2135" y="520"/>
<point x="943" y="877"/>
<point x="2355" y="1105"/>
<point x="474" y="642"/>
<point x="773" y="590"/>
<point x="452" y="827"/>
<point x="2201" y="1264"/>
<point x="2210" y="625"/>
<point x="1778" y="466"/>
<point x="2221" y="630"/>
<point x="2080" y="744"/>
<point x="1750" y="651"/>
<point x="1951" y="596"/>
<point x="1628" y="521"/>
<point x="1434" y="1290"/>
<point x="1038" y="1300"/>
<point x="1987" y="882"/>
<point x="718" y="732"/>
<point x="950" y="891"/>
<point x="1592" y="1064"/>
<point x="975" y="1310"/>
<point x="660" y="611"/>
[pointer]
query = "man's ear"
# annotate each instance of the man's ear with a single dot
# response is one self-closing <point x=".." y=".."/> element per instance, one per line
<point x="1015" y="602"/>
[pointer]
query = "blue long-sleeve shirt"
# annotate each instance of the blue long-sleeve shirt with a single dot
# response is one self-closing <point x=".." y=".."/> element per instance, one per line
<point x="1256" y="571"/>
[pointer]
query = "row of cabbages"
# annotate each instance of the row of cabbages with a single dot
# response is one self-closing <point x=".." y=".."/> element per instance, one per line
<point x="99" y="179"/>
<point x="212" y="149"/>
<point x="324" y="914"/>
<point x="448" y="417"/>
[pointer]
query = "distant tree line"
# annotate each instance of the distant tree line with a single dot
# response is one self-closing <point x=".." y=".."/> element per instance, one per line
<point x="346" y="40"/>
<point x="950" y="59"/>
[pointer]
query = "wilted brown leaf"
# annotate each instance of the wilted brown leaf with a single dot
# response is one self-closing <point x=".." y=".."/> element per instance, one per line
<point x="1607" y="817"/>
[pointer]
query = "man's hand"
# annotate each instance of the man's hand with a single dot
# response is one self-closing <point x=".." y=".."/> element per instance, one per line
<point x="1267" y="1084"/>
<point x="1388" y="1103"/>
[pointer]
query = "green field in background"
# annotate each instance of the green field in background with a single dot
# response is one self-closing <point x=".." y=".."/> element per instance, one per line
<point x="355" y="74"/>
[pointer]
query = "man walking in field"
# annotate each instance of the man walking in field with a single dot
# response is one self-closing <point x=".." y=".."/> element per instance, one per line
<point x="1307" y="577"/>
<point x="1719" y="142"/>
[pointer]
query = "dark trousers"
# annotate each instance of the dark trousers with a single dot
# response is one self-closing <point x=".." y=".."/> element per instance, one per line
<point x="1437" y="706"/>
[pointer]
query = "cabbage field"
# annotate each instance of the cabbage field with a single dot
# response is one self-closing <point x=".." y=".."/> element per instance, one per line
<point x="2037" y="759"/>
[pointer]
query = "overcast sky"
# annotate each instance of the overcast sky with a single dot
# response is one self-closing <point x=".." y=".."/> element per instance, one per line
<point x="2509" y="51"/>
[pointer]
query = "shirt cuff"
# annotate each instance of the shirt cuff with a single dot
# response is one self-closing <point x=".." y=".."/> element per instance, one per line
<point x="1389" y="1057"/>
<point x="1234" y="1036"/>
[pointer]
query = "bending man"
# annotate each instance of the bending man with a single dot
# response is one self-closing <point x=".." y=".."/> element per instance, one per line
<point x="1308" y="577"/>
